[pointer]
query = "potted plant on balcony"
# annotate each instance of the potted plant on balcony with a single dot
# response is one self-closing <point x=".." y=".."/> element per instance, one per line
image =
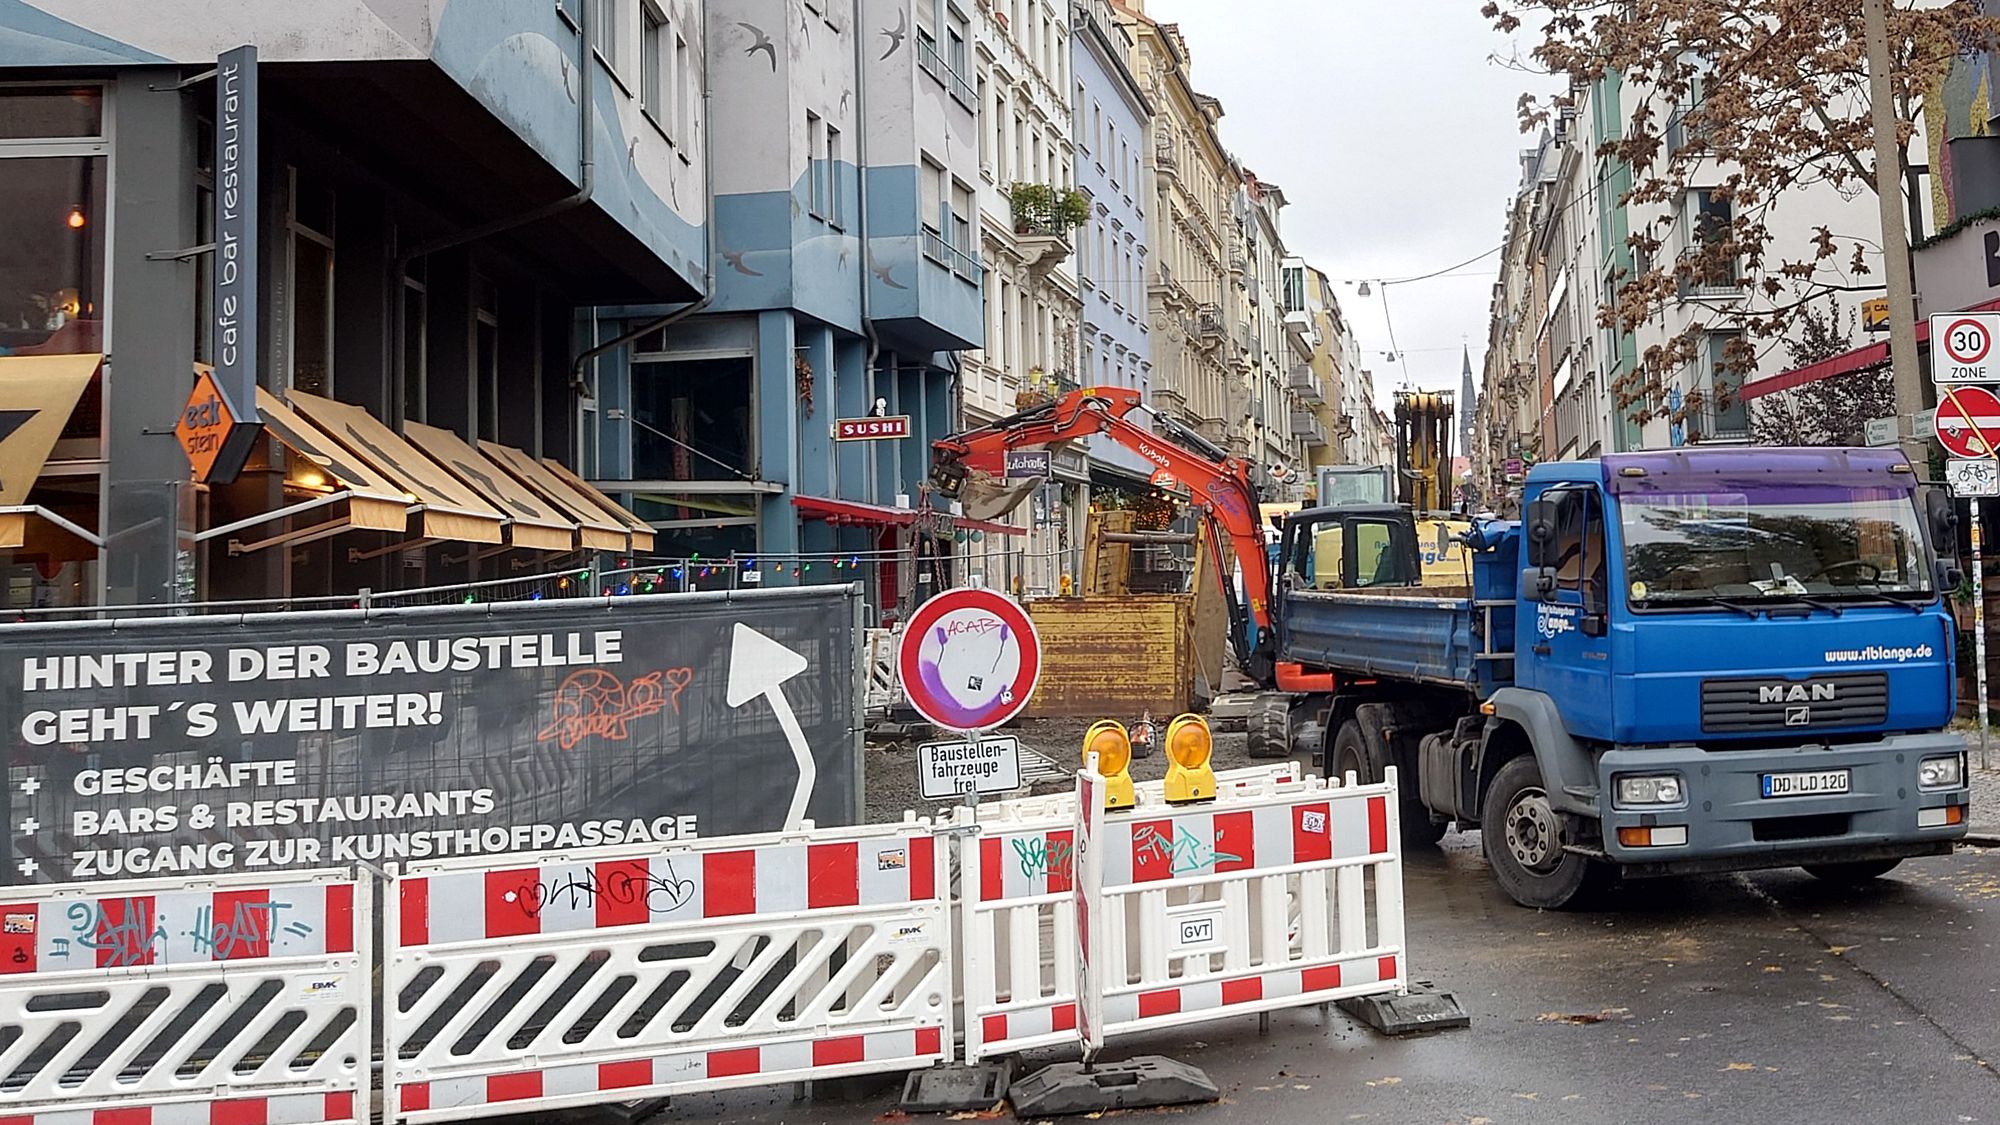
<point x="1043" y="209"/>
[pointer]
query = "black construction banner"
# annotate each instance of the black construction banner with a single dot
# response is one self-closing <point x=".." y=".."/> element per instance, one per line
<point x="269" y="742"/>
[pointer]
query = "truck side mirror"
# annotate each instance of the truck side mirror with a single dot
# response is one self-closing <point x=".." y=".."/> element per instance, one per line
<point x="1541" y="531"/>
<point x="1949" y="576"/>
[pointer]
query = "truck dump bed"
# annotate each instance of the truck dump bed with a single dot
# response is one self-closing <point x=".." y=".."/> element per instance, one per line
<point x="1399" y="633"/>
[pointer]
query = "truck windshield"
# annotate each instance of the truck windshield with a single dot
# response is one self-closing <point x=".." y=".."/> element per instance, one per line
<point x="1773" y="542"/>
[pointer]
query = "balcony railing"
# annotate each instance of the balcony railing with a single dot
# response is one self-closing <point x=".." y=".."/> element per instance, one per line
<point x="961" y="262"/>
<point x="1208" y="323"/>
<point x="934" y="65"/>
<point x="1307" y="428"/>
<point x="1304" y="382"/>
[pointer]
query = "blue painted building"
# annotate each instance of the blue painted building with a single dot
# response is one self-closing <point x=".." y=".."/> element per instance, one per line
<point x="441" y="186"/>
<point x="1112" y="124"/>
<point x="845" y="277"/>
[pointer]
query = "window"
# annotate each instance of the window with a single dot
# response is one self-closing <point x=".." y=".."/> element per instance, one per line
<point x="416" y="329"/>
<point x="656" y="58"/>
<point x="305" y="312"/>
<point x="963" y="206"/>
<point x="604" y="15"/>
<point x="830" y="160"/>
<point x="957" y="33"/>
<point x="1709" y="227"/>
<point x="1723" y="416"/>
<point x="685" y="92"/>
<point x="1578" y="552"/>
<point x="930" y="196"/>
<point x="52" y="221"/>
<point x="816" y="171"/>
<point x="1295" y="289"/>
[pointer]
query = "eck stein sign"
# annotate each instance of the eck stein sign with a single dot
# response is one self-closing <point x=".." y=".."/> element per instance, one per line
<point x="233" y="296"/>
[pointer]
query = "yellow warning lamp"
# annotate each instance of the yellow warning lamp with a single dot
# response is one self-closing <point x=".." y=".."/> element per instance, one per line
<point x="1107" y="739"/>
<point x="1189" y="746"/>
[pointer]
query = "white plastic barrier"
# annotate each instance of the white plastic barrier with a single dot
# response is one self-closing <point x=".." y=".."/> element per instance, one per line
<point x="614" y="975"/>
<point x="186" y="1001"/>
<point x="1281" y="894"/>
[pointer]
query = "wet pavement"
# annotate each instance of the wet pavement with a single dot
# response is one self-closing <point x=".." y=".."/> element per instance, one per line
<point x="1761" y="997"/>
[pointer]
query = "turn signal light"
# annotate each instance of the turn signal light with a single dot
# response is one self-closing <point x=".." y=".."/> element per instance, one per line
<point x="1107" y="739"/>
<point x="1190" y="745"/>
<point x="1669" y="837"/>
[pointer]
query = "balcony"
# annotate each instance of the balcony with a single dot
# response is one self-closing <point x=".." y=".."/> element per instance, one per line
<point x="934" y="65"/>
<point x="1165" y="159"/>
<point x="1307" y="427"/>
<point x="1044" y="216"/>
<point x="1304" y="382"/>
<point x="1299" y="324"/>
<point x="965" y="264"/>
<point x="1208" y="324"/>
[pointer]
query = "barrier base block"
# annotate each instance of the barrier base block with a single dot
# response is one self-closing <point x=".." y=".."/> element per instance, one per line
<point x="1063" y="1089"/>
<point x="954" y="1087"/>
<point x="1422" y="1009"/>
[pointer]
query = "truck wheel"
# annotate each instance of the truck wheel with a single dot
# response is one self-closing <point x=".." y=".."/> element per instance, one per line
<point x="1852" y="874"/>
<point x="1522" y="833"/>
<point x="1271" y="726"/>
<point x="1360" y="746"/>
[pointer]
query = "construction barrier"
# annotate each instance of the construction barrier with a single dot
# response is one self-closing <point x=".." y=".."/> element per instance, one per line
<point x="187" y="1001"/>
<point x="545" y="982"/>
<point x="1282" y="893"/>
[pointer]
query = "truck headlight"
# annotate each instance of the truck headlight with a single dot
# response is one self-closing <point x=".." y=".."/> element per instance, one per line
<point x="1941" y="773"/>
<point x="1650" y="789"/>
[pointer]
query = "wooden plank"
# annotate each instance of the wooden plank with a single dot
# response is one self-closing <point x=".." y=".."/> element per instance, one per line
<point x="1113" y="657"/>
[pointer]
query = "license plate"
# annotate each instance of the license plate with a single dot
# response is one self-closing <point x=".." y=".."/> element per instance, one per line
<point x="1817" y="783"/>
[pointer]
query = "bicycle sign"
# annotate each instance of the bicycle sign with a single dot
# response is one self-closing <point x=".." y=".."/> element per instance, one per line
<point x="1973" y="477"/>
<point x="1962" y="347"/>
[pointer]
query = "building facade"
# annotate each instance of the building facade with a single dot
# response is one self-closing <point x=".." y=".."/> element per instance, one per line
<point x="1187" y="224"/>
<point x="847" y="278"/>
<point x="1112" y="122"/>
<point x="419" y="199"/>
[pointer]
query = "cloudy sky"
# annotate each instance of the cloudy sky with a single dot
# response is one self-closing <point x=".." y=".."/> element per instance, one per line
<point x="1393" y="136"/>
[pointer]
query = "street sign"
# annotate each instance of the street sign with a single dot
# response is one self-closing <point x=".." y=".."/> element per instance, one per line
<point x="986" y="766"/>
<point x="1962" y="347"/>
<point x="969" y="659"/>
<point x="1875" y="315"/>
<point x="1880" y="431"/>
<point x="1973" y="477"/>
<point x="1030" y="464"/>
<point x="872" y="429"/>
<point x="1968" y="421"/>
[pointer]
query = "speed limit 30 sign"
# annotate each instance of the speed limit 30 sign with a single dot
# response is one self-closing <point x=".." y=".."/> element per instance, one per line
<point x="1962" y="347"/>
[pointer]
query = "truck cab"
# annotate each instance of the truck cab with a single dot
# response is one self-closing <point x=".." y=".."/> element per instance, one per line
<point x="1680" y="661"/>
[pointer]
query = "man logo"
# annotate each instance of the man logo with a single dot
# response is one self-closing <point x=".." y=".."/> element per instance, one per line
<point x="1798" y="716"/>
<point x="1796" y="693"/>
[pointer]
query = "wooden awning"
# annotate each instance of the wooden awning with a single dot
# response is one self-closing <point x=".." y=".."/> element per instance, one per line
<point x="450" y="509"/>
<point x="532" y="522"/>
<point x="640" y="530"/>
<point x="597" y="530"/>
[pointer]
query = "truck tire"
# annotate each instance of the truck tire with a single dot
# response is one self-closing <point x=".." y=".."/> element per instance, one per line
<point x="1852" y="874"/>
<point x="1524" y="844"/>
<point x="1361" y="746"/>
<point x="1270" y="724"/>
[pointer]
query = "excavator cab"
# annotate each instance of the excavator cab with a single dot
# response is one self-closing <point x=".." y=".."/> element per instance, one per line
<point x="1354" y="547"/>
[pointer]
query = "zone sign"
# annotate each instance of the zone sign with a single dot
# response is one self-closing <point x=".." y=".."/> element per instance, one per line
<point x="1962" y="347"/>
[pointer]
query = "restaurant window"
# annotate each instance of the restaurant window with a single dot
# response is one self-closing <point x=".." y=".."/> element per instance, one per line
<point x="691" y="420"/>
<point x="306" y="312"/>
<point x="486" y="357"/>
<point x="52" y="211"/>
<point x="416" y="330"/>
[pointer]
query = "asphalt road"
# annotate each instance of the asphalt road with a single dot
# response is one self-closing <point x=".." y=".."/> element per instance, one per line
<point x="1765" y="997"/>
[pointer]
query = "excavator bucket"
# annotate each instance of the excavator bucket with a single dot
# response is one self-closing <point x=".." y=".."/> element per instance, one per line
<point x="987" y="497"/>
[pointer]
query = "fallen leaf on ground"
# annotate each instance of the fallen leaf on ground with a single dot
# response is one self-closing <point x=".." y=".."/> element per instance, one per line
<point x="1570" y="1017"/>
<point x="1741" y="1066"/>
<point x="1390" y="1081"/>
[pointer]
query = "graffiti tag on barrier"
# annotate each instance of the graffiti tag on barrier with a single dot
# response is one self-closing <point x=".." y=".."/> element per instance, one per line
<point x="1184" y="852"/>
<point x="594" y="703"/>
<point x="661" y="893"/>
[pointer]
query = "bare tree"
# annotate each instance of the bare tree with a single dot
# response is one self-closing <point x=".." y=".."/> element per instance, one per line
<point x="1738" y="101"/>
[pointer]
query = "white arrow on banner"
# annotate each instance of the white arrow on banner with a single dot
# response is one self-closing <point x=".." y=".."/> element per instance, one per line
<point x="758" y="666"/>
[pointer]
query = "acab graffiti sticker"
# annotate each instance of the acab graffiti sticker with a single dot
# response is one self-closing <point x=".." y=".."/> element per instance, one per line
<point x="969" y="659"/>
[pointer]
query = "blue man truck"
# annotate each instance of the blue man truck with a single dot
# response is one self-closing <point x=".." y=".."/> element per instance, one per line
<point x="1677" y="662"/>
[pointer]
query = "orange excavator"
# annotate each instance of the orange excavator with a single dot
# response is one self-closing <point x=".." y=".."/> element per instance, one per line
<point x="971" y="466"/>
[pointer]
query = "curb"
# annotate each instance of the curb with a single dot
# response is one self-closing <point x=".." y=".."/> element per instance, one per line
<point x="1983" y="837"/>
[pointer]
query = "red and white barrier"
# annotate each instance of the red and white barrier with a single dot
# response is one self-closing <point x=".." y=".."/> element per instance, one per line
<point x="1270" y="898"/>
<point x="613" y="975"/>
<point x="187" y="1001"/>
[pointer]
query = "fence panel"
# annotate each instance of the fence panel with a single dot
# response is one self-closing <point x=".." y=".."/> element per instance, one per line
<point x="1281" y="893"/>
<point x="187" y="1001"/>
<point x="549" y="981"/>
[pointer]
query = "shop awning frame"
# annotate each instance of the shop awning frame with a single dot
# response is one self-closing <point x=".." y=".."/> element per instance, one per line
<point x="1864" y="358"/>
<point x="462" y="514"/>
<point x="849" y="513"/>
<point x="61" y="522"/>
<point x="369" y="496"/>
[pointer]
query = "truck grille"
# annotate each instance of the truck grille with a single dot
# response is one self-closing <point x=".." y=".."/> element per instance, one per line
<point x="1776" y="704"/>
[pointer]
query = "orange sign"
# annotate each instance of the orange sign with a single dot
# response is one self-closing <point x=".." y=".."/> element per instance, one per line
<point x="208" y="429"/>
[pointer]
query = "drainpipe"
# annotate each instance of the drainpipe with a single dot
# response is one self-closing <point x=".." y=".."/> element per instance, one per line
<point x="578" y="383"/>
<point x="586" y="126"/>
<point x="861" y="226"/>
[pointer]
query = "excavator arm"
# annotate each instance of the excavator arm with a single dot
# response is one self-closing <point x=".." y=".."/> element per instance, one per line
<point x="1220" y="486"/>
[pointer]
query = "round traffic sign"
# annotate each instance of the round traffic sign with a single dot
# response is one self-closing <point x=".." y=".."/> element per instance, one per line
<point x="969" y="659"/>
<point x="1968" y="421"/>
<point x="1967" y="341"/>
